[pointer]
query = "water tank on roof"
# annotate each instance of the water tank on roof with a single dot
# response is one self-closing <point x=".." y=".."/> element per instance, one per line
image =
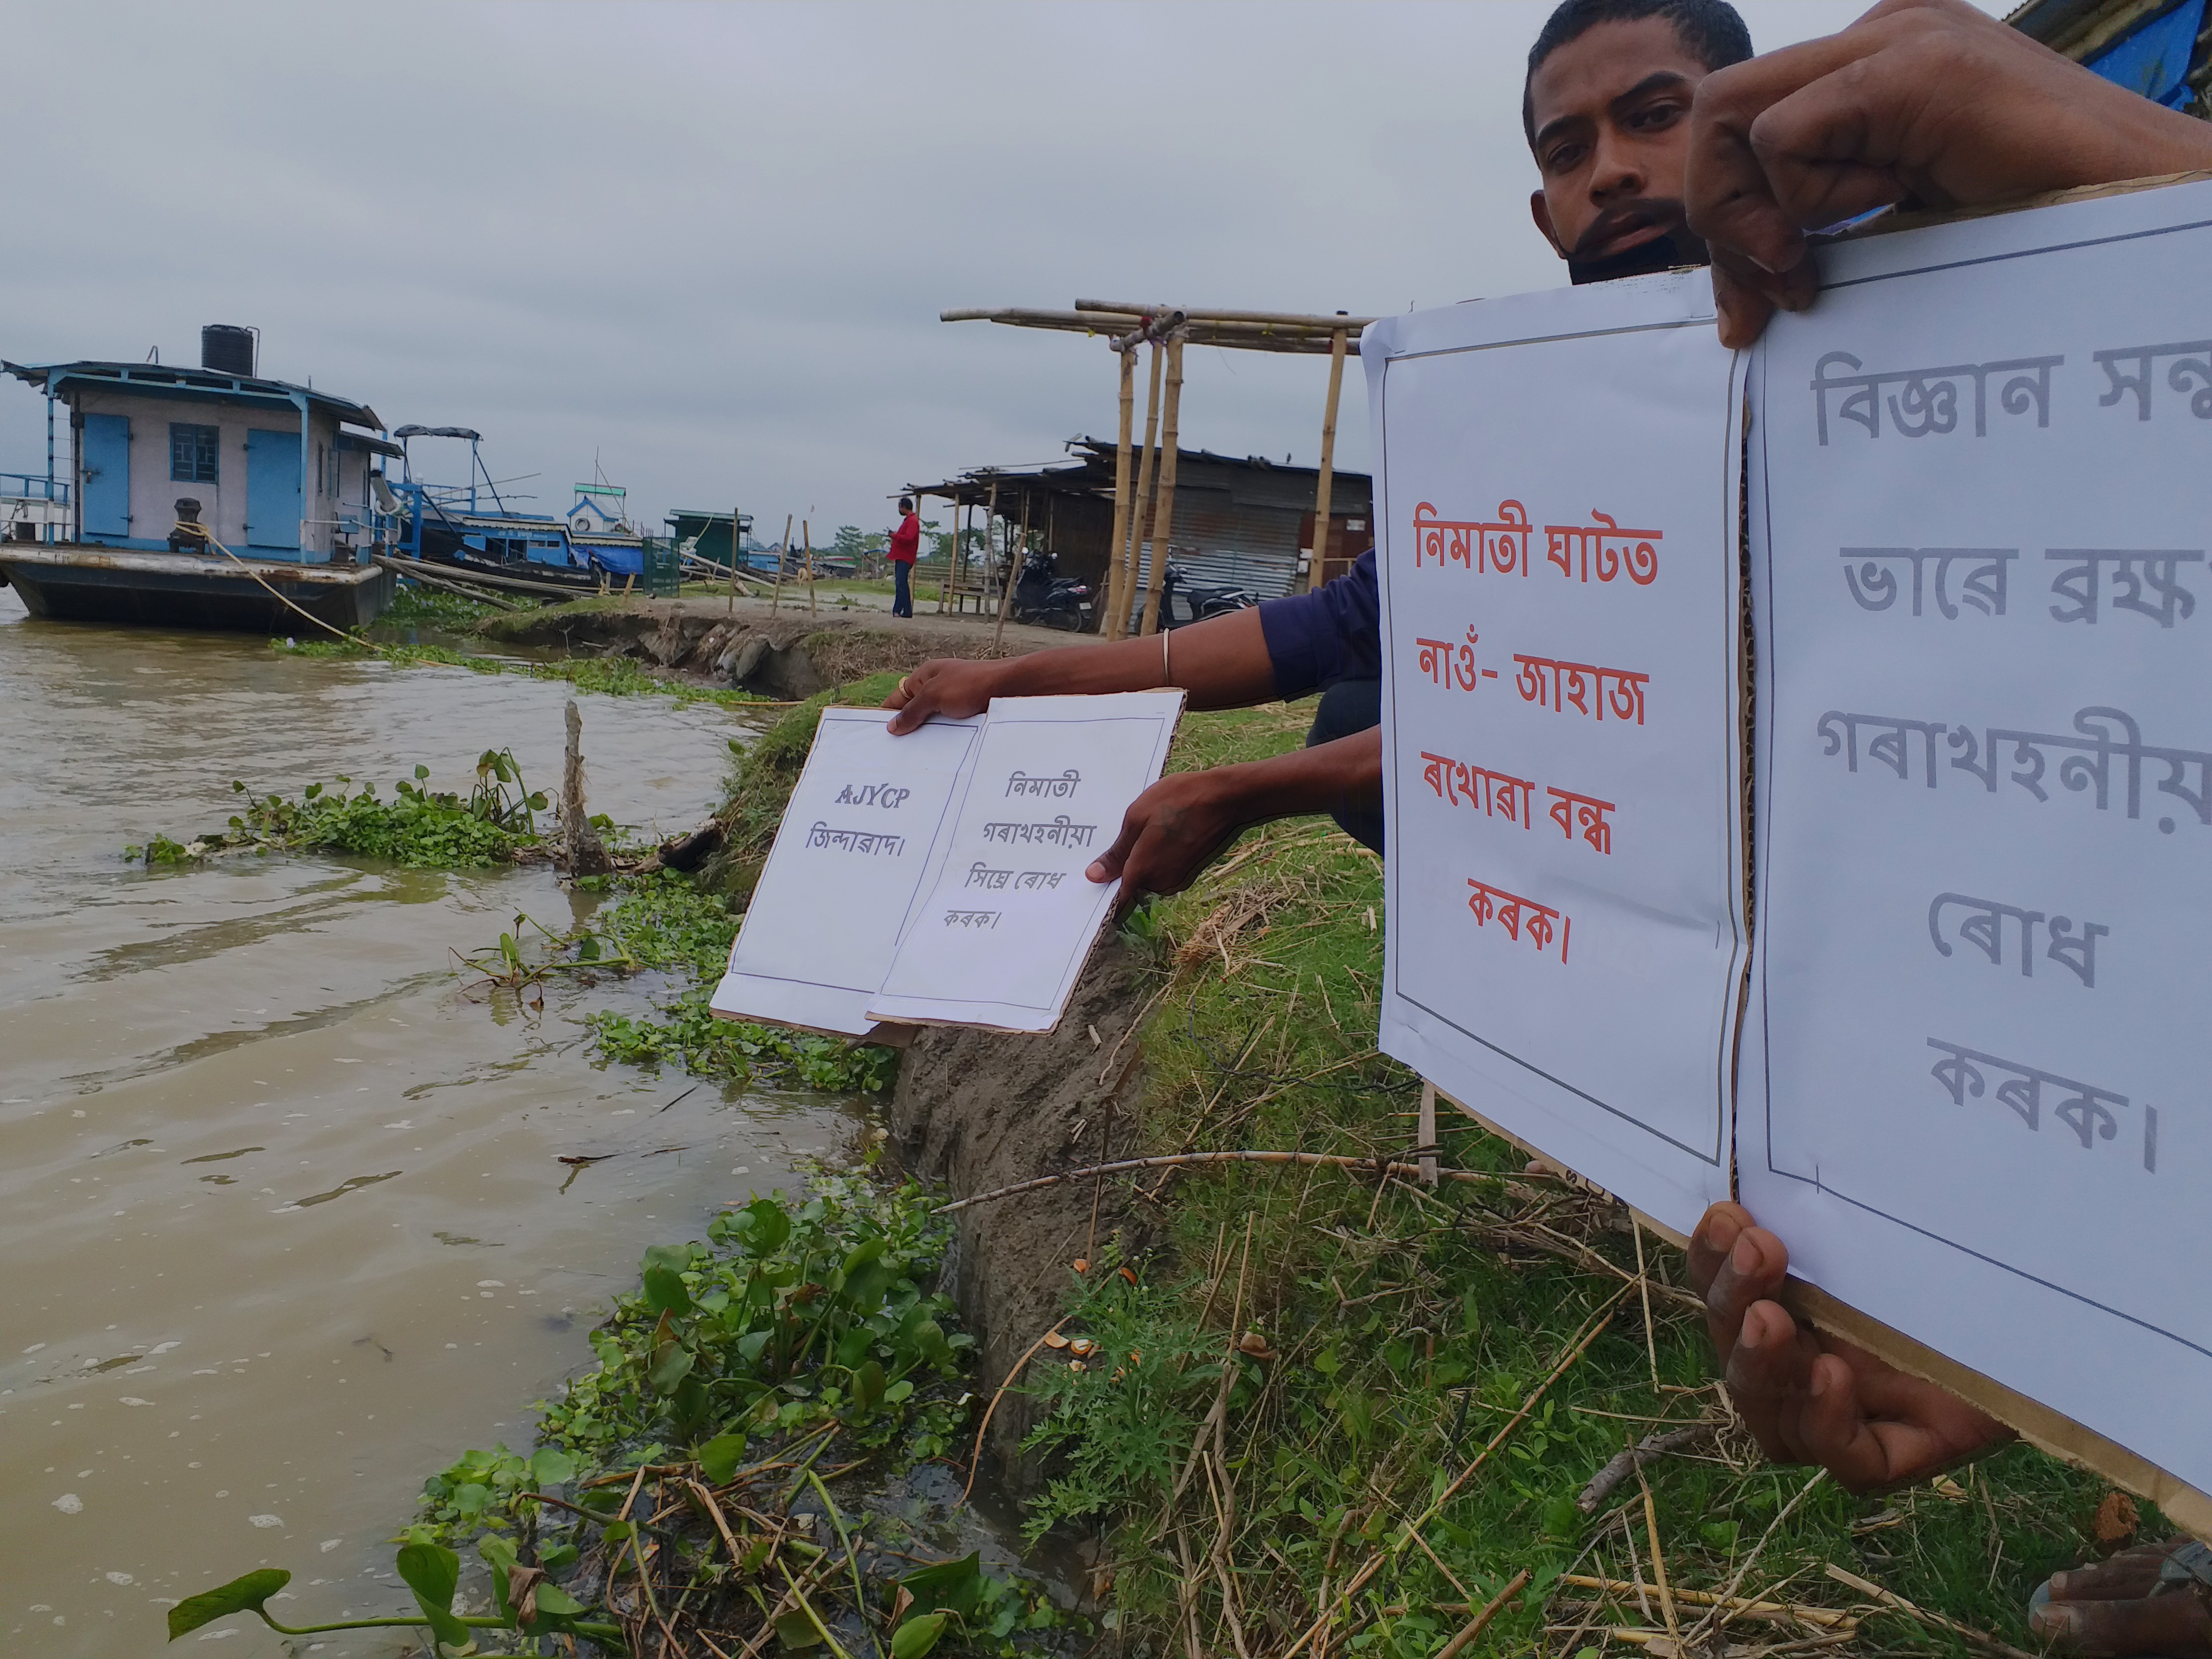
<point x="226" y="350"/>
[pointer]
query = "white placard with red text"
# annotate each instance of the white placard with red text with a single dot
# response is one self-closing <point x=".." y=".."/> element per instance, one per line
<point x="1975" y="1095"/>
<point x="1557" y="509"/>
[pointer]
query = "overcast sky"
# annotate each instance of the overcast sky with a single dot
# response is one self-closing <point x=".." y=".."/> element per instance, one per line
<point x="708" y="244"/>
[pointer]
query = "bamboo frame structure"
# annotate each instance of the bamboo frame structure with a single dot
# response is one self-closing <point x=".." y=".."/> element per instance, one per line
<point x="1013" y="572"/>
<point x="1117" y="599"/>
<point x="807" y="535"/>
<point x="1139" y="503"/>
<point x="1127" y="324"/>
<point x="733" y="564"/>
<point x="1323" y="489"/>
<point x="1163" y="519"/>
<point x="782" y="553"/>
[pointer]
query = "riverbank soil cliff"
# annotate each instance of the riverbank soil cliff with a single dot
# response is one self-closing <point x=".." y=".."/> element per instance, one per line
<point x="975" y="1111"/>
<point x="772" y="651"/>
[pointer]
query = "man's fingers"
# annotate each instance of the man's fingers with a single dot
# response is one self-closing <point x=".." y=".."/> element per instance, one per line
<point x="1717" y="1230"/>
<point x="1107" y="867"/>
<point x="1864" y="1454"/>
<point x="2174" y="1625"/>
<point x="1767" y="1373"/>
<point x="2127" y="1577"/>
<point x="1749" y="1275"/>
<point x="1729" y="197"/>
<point x="1744" y="310"/>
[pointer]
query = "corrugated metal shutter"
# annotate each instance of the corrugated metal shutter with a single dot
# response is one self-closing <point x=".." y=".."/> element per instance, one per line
<point x="1265" y="575"/>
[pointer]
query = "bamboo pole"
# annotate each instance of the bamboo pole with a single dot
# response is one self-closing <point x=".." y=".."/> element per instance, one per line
<point x="733" y="562"/>
<point x="983" y="581"/>
<point x="807" y="536"/>
<point x="1322" y="491"/>
<point x="782" y="552"/>
<point x="1164" y="516"/>
<point x="1140" y="505"/>
<point x="1293" y="320"/>
<point x="952" y="550"/>
<point x="1116" y="600"/>
<point x="1014" y="572"/>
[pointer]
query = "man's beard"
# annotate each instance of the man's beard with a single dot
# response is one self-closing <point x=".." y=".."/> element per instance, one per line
<point x="1672" y="248"/>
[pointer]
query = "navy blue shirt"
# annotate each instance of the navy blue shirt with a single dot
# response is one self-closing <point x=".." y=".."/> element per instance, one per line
<point x="1333" y="633"/>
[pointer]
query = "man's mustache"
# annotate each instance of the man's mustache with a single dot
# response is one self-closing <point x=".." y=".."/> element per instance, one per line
<point x="1668" y="214"/>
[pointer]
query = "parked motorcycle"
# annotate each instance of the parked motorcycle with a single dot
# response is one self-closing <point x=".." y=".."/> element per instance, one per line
<point x="1183" y="602"/>
<point x="1050" y="601"/>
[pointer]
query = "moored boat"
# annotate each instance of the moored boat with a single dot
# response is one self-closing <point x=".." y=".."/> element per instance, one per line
<point x="73" y="582"/>
<point x="203" y="497"/>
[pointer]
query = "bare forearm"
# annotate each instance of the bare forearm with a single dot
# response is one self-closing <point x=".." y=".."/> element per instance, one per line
<point x="1329" y="777"/>
<point x="1222" y="663"/>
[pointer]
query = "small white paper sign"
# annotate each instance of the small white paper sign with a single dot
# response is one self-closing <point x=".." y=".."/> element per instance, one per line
<point x="865" y="829"/>
<point x="1002" y="934"/>
<point x="1557" y="513"/>
<point x="1975" y="1095"/>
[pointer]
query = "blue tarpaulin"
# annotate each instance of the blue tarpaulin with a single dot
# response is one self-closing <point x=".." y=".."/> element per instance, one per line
<point x="2154" y="59"/>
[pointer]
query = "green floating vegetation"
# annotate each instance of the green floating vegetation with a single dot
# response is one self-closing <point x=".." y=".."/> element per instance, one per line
<point x="671" y="922"/>
<point x="1368" y="1342"/>
<point x="677" y="1482"/>
<point x="416" y="606"/>
<point x="417" y="826"/>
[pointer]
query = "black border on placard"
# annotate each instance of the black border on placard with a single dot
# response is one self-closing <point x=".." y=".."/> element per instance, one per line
<point x="1765" y="736"/>
<point x="975" y="732"/>
<point x="1082" y="948"/>
<point x="1721" y="1060"/>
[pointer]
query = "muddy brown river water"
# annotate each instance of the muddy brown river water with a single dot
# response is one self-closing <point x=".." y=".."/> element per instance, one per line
<point x="281" y="1211"/>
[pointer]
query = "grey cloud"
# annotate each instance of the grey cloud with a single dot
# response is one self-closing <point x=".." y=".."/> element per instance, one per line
<point x="709" y="243"/>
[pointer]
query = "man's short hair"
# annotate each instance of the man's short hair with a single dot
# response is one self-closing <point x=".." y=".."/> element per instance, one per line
<point x="1710" y="30"/>
<point x="906" y="503"/>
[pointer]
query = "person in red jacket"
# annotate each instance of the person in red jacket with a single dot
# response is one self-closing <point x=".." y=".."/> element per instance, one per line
<point x="905" y="545"/>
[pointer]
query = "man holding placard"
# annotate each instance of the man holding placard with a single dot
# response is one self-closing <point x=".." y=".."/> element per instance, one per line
<point x="1607" y="120"/>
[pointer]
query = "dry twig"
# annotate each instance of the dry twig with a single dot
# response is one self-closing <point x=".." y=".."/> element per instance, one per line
<point x="1648" y="1449"/>
<point x="1481" y="1622"/>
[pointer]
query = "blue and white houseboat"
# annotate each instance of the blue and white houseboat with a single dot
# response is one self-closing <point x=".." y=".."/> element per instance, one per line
<point x="206" y="498"/>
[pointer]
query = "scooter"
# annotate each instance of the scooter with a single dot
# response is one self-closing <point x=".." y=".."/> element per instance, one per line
<point x="1199" y="601"/>
<point x="1050" y="601"/>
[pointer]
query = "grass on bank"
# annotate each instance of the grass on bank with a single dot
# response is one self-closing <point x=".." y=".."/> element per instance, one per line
<point x="614" y="677"/>
<point x="1396" y="1330"/>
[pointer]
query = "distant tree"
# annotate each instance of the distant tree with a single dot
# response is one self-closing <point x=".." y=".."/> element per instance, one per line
<point x="848" y="543"/>
<point x="940" y="541"/>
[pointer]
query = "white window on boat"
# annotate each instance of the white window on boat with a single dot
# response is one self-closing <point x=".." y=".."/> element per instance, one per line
<point x="192" y="454"/>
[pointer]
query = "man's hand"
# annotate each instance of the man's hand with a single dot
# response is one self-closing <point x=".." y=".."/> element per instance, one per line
<point x="1811" y="1398"/>
<point x="943" y="686"/>
<point x="2120" y="1607"/>
<point x="1168" y="835"/>
<point x="1933" y="101"/>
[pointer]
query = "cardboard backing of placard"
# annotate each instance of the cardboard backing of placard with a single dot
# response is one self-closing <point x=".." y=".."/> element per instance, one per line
<point x="2038" y="1425"/>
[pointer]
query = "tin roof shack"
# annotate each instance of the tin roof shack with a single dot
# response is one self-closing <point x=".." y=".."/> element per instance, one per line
<point x="276" y="474"/>
<point x="1243" y="522"/>
<point x="2160" y="48"/>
